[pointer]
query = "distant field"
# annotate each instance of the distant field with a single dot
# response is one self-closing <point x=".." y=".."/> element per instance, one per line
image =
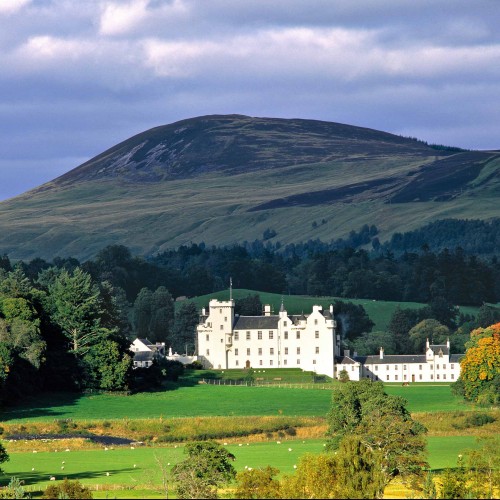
<point x="208" y="400"/>
<point x="136" y="470"/>
<point x="380" y="312"/>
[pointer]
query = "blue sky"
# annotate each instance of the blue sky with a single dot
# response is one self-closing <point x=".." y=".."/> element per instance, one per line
<point x="78" y="77"/>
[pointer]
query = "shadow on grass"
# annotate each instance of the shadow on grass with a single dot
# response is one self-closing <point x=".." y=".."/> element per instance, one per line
<point x="34" y="478"/>
<point x="43" y="405"/>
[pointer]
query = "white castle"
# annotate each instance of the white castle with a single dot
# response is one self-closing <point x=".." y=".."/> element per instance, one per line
<point x="227" y="340"/>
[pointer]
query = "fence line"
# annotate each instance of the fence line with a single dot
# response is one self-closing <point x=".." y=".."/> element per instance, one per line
<point x="269" y="383"/>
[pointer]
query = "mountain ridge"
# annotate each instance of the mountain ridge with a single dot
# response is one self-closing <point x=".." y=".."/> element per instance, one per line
<point x="223" y="179"/>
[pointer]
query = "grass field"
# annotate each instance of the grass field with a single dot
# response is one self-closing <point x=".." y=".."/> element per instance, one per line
<point x="137" y="469"/>
<point x="208" y="400"/>
<point x="379" y="311"/>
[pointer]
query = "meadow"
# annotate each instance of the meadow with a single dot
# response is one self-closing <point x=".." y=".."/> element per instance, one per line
<point x="379" y="311"/>
<point x="254" y="419"/>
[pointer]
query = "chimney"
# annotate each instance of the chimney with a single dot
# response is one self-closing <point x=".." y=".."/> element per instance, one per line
<point x="267" y="310"/>
<point x="448" y="343"/>
<point x="331" y="309"/>
<point x="427" y="344"/>
<point x="381" y="353"/>
<point x="203" y="312"/>
<point x="347" y="353"/>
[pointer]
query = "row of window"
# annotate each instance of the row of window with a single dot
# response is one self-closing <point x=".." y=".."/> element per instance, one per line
<point x="285" y="362"/>
<point x="271" y="351"/>
<point x="420" y="377"/>
<point x="387" y="367"/>
<point x="248" y="335"/>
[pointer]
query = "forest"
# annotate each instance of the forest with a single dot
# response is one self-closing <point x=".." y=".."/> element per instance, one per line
<point x="67" y="324"/>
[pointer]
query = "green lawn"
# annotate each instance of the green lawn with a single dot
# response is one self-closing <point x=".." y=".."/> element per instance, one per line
<point x="137" y="468"/>
<point x="208" y="400"/>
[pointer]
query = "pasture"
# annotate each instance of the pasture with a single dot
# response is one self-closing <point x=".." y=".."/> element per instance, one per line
<point x="209" y="400"/>
<point x="379" y="311"/>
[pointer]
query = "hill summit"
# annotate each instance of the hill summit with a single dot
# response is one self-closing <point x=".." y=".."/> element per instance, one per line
<point x="223" y="179"/>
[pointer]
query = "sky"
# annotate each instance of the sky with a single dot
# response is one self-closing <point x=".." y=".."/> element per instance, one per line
<point x="77" y="77"/>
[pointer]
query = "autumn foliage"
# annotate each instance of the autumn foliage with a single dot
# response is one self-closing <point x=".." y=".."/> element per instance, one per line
<point x="480" y="368"/>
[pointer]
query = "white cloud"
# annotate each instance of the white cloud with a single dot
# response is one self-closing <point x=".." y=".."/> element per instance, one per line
<point x="12" y="6"/>
<point x="119" y="18"/>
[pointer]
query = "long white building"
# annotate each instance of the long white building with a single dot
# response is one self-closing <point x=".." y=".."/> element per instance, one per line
<point x="226" y="340"/>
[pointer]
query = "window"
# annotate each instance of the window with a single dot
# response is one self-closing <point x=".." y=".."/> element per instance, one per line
<point x="298" y="361"/>
<point x="236" y="336"/>
<point x="387" y="378"/>
<point x="432" y="376"/>
<point x="225" y="319"/>
<point x="444" y="376"/>
<point x="222" y="327"/>
<point x="395" y="377"/>
<point x="395" y="367"/>
<point x="444" y="367"/>
<point x="376" y="368"/>
<point x="352" y="368"/>
<point x="404" y="377"/>
<point x="286" y="335"/>
<point x="452" y="376"/>
<point x="437" y="367"/>
<point x="285" y="323"/>
<point x="271" y="351"/>
<point x="248" y="351"/>
<point x="208" y="338"/>
<point x="317" y="350"/>
<point x="221" y="341"/>
<point x="387" y="367"/>
<point x="260" y="351"/>
<point x="284" y="362"/>
<point x="270" y="362"/>
<point x="237" y="363"/>
<point x="316" y="334"/>
<point x="420" y="377"/>
<point x="298" y="335"/>
<point x="404" y="367"/>
<point x="452" y="366"/>
<point x="314" y="361"/>
<point x="419" y="367"/>
<point x="236" y="352"/>
<point x="248" y="335"/>
<point x="298" y="350"/>
<point x="315" y="321"/>
<point x="259" y="335"/>
<point x="208" y="352"/>
<point x="271" y="335"/>
<point x="260" y="362"/>
<point x="437" y="376"/>
<point x="220" y="311"/>
<point x="286" y="350"/>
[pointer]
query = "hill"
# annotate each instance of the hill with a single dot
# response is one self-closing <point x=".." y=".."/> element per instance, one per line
<point x="225" y="179"/>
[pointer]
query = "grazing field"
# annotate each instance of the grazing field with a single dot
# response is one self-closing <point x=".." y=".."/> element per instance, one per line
<point x="209" y="400"/>
<point x="135" y="472"/>
<point x="379" y="311"/>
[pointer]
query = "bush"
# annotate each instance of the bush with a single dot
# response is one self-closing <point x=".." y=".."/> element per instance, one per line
<point x="67" y="489"/>
<point x="478" y="419"/>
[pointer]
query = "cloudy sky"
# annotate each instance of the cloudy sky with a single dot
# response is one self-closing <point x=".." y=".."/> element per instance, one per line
<point x="77" y="77"/>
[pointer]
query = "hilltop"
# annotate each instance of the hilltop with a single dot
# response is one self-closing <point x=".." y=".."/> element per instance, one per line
<point x="225" y="179"/>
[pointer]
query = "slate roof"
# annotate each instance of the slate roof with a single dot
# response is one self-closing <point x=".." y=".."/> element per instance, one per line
<point x="346" y="360"/>
<point x="256" y="322"/>
<point x="146" y="342"/>
<point x="392" y="359"/>
<point x="144" y="356"/>
<point x="436" y="348"/>
<point x="455" y="358"/>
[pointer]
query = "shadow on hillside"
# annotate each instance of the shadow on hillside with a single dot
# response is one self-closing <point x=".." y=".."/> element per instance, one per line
<point x="43" y="405"/>
<point x="33" y="478"/>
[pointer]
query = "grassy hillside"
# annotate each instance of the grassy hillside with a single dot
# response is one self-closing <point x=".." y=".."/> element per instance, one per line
<point x="229" y="181"/>
<point x="380" y="311"/>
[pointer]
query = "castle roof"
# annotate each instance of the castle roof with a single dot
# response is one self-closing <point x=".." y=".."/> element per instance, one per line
<point x="256" y="322"/>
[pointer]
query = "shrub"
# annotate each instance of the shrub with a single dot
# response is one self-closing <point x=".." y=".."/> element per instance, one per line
<point x="67" y="489"/>
<point x="478" y="419"/>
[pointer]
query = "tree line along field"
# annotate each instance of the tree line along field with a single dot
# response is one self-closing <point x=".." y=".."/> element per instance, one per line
<point x="379" y="311"/>
<point x="199" y="408"/>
